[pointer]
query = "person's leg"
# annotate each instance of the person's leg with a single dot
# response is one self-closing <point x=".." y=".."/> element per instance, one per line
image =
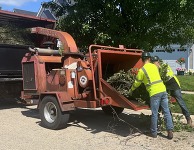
<point x="166" y="111"/>
<point x="154" y="105"/>
<point x="178" y="96"/>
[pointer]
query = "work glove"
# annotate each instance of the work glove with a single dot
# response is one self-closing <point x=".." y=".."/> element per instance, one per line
<point x="130" y="92"/>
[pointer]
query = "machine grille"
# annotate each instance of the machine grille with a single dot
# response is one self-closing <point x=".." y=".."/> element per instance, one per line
<point x="29" y="76"/>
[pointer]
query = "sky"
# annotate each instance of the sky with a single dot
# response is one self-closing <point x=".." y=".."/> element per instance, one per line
<point x="29" y="5"/>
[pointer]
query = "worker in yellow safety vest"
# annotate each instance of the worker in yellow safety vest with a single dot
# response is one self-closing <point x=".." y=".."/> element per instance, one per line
<point x="173" y="86"/>
<point x="150" y="77"/>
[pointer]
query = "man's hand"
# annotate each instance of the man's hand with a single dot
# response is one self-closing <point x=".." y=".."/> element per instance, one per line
<point x="130" y="92"/>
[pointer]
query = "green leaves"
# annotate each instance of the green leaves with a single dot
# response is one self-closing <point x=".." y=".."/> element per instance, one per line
<point x="10" y="34"/>
<point x="178" y="124"/>
<point x="122" y="82"/>
<point x="163" y="71"/>
<point x="140" y="24"/>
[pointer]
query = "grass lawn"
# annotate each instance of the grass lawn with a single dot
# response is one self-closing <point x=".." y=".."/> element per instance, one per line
<point x="187" y="82"/>
<point x="189" y="100"/>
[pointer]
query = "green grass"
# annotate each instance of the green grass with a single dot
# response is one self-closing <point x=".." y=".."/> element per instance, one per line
<point x="189" y="100"/>
<point x="187" y="82"/>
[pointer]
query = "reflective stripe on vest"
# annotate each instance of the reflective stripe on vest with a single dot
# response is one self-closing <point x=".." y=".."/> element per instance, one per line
<point x="149" y="82"/>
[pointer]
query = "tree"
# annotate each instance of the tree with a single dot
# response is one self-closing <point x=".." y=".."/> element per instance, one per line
<point x="134" y="23"/>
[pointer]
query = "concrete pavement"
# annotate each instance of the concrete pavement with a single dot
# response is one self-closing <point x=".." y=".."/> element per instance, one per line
<point x="187" y="92"/>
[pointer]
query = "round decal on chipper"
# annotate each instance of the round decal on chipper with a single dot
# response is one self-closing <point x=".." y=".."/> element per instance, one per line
<point x="83" y="80"/>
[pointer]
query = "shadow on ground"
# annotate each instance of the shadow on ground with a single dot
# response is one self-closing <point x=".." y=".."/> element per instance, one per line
<point x="96" y="121"/>
<point x="11" y="103"/>
<point x="92" y="120"/>
<point x="14" y="103"/>
<point x="31" y="112"/>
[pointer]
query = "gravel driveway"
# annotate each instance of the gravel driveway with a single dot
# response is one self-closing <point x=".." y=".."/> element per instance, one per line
<point x="87" y="130"/>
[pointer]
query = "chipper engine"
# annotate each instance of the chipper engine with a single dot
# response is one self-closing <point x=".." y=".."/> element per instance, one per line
<point x="59" y="78"/>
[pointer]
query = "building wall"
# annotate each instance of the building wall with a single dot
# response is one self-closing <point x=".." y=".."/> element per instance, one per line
<point x="191" y="57"/>
<point x="177" y="52"/>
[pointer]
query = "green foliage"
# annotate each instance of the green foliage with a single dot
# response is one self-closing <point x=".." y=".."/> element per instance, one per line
<point x="177" y="121"/>
<point x="186" y="82"/>
<point x="122" y="82"/>
<point x="163" y="71"/>
<point x="188" y="98"/>
<point x="178" y="124"/>
<point x="135" y="24"/>
<point x="10" y="34"/>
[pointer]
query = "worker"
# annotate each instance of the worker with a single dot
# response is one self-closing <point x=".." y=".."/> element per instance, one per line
<point x="173" y="86"/>
<point x="150" y="77"/>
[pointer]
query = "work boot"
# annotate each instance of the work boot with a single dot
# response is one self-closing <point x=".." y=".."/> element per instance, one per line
<point x="151" y="134"/>
<point x="189" y="121"/>
<point x="170" y="134"/>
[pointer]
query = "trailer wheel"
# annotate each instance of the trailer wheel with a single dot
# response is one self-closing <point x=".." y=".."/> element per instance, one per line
<point x="51" y="115"/>
<point x="110" y="110"/>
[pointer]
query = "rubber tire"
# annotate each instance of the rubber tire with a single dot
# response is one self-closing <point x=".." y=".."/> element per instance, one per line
<point x="61" y="119"/>
<point x="109" y="110"/>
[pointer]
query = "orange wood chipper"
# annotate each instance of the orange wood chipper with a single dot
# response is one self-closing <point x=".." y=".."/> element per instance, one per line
<point x="60" y="79"/>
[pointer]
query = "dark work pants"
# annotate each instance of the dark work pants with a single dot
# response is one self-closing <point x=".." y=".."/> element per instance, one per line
<point x="178" y="96"/>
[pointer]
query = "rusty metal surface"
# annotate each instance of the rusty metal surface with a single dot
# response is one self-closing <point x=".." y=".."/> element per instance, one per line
<point x="68" y="42"/>
<point x="120" y="59"/>
<point x="25" y="21"/>
<point x="85" y="104"/>
<point x="117" y="59"/>
<point x="64" y="99"/>
<point x="78" y="82"/>
<point x="51" y="59"/>
<point x="118" y="99"/>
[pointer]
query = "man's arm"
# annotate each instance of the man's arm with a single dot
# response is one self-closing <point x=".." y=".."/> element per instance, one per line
<point x="138" y="80"/>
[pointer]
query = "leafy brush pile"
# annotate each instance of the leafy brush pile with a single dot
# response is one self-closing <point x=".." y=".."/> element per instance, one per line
<point x="177" y="121"/>
<point x="163" y="71"/>
<point x="178" y="124"/>
<point x="14" y="35"/>
<point x="122" y="82"/>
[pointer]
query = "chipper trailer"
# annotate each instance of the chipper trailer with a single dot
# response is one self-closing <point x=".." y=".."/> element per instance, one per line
<point x="60" y="79"/>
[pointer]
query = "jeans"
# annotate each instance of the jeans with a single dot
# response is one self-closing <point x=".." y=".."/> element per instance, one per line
<point x="178" y="96"/>
<point x="157" y="100"/>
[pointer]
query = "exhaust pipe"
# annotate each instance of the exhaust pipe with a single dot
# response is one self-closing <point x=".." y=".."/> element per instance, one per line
<point x="44" y="51"/>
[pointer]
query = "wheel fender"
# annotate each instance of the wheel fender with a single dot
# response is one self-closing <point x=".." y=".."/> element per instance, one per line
<point x="64" y="100"/>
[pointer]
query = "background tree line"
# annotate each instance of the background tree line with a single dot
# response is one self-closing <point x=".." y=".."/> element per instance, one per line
<point x="134" y="23"/>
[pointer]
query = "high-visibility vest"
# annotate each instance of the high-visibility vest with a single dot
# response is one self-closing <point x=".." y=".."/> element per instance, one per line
<point x="149" y="75"/>
<point x="170" y="74"/>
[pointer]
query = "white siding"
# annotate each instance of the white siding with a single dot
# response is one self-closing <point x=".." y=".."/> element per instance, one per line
<point x="171" y="58"/>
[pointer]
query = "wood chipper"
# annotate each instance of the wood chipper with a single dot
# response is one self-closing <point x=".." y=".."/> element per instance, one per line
<point x="60" y="79"/>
